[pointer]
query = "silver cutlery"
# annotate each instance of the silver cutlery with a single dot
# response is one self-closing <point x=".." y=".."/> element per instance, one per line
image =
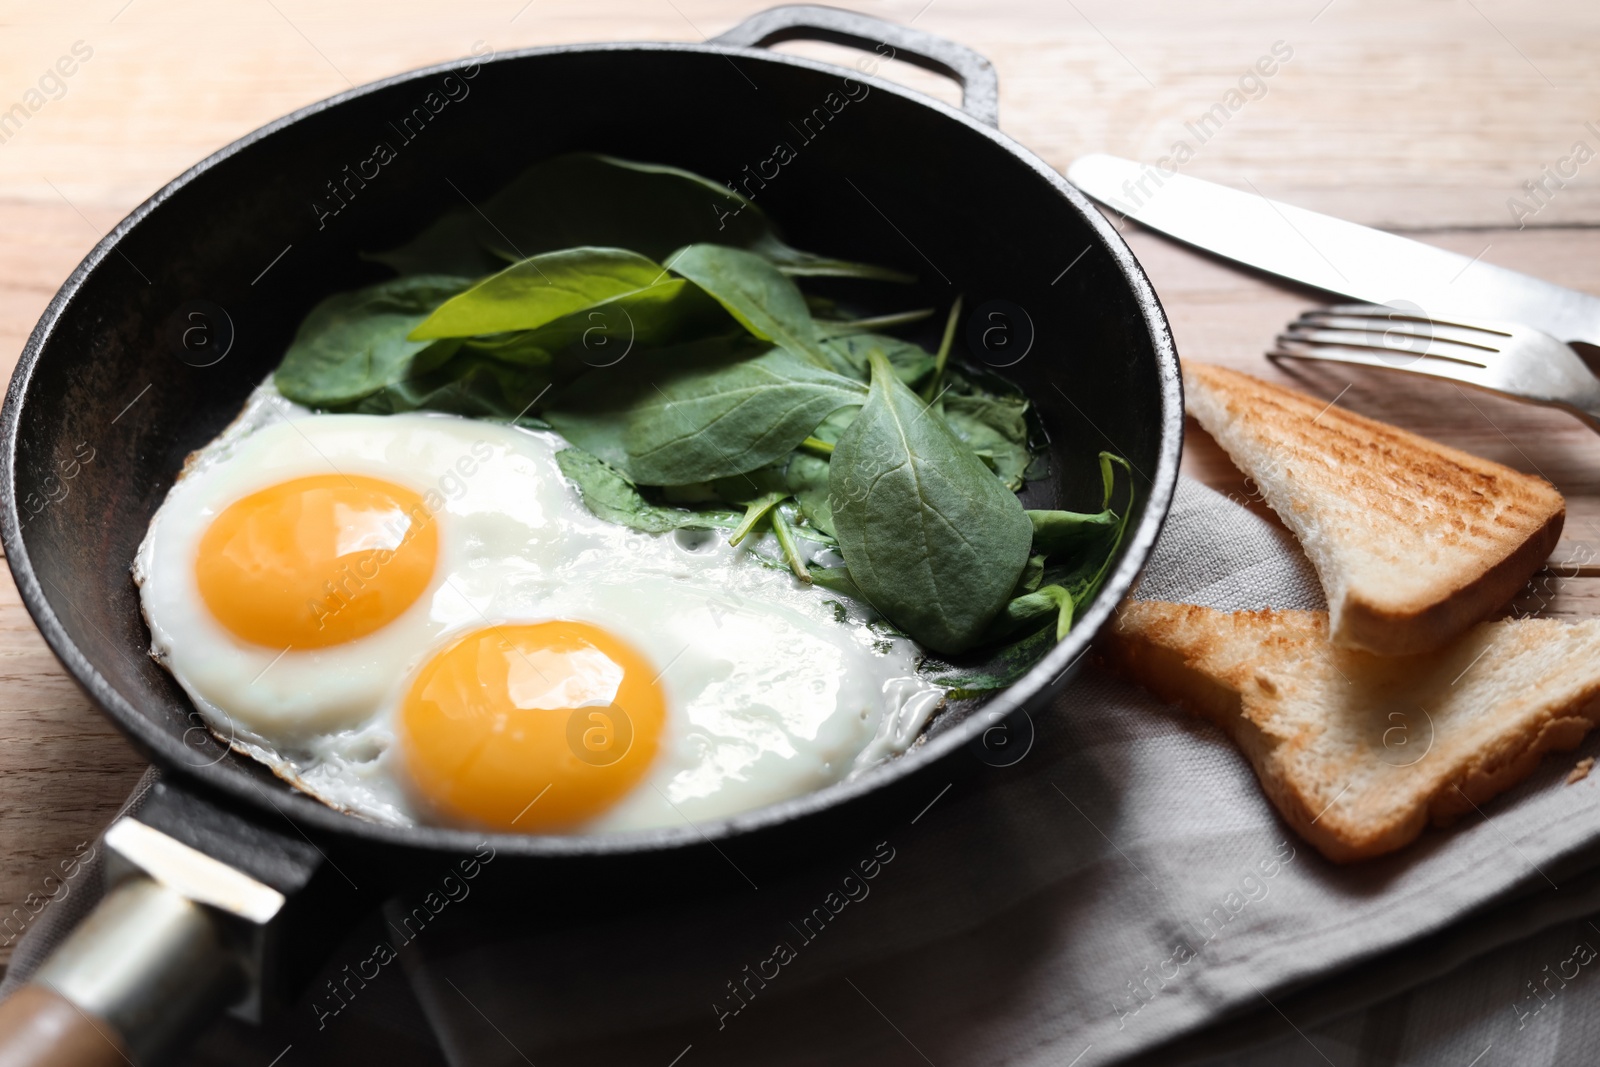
<point x="1501" y="357"/>
<point x="1331" y="254"/>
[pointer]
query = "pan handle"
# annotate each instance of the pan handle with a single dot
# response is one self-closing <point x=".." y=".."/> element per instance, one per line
<point x="145" y="970"/>
<point x="41" y="1028"/>
<point x="980" y="86"/>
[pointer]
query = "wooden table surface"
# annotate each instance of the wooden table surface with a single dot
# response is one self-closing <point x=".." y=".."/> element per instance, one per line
<point x="1425" y="116"/>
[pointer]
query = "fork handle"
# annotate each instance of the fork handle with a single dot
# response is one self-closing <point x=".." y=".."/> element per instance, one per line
<point x="1588" y="412"/>
<point x="1582" y="400"/>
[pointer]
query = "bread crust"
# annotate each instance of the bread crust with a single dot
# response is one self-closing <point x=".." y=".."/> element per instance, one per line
<point x="1259" y="677"/>
<point x="1365" y="497"/>
<point x="1383" y="630"/>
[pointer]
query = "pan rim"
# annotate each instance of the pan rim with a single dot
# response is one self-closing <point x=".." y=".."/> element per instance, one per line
<point x="1043" y="682"/>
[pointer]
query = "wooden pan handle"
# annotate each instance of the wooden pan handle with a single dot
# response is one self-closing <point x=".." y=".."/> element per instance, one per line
<point x="41" y="1028"/>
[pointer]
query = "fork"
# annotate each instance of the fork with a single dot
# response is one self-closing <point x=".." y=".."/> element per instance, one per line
<point x="1501" y="357"/>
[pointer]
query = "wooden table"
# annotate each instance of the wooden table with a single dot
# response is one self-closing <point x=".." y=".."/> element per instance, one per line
<point x="1424" y="116"/>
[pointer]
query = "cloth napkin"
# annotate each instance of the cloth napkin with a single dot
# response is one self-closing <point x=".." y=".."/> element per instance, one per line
<point x="1122" y="893"/>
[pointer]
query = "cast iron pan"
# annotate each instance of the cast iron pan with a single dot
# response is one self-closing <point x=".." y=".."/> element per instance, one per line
<point x="152" y="344"/>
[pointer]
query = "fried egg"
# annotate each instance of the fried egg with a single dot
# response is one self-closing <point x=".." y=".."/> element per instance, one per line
<point x="415" y="619"/>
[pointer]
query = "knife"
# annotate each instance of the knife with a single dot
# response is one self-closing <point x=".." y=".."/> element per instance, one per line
<point x="1328" y="253"/>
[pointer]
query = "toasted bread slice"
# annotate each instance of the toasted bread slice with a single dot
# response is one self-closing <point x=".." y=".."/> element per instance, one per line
<point x="1414" y="542"/>
<point x="1359" y="751"/>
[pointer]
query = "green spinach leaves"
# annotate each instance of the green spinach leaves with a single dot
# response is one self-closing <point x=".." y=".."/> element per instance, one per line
<point x="354" y="344"/>
<point x="756" y="294"/>
<point x="700" y="411"/>
<point x="612" y="497"/>
<point x="537" y="291"/>
<point x="934" y="541"/>
<point x="657" y="321"/>
<point x="1072" y="555"/>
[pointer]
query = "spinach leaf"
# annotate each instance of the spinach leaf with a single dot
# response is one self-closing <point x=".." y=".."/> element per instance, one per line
<point x="603" y="335"/>
<point x="995" y="429"/>
<point x="999" y="668"/>
<point x="910" y="361"/>
<point x="1087" y="573"/>
<point x="610" y="496"/>
<point x="798" y="264"/>
<point x="994" y="418"/>
<point x="931" y="391"/>
<point x="807" y="474"/>
<point x="698" y="412"/>
<point x="1059" y="532"/>
<point x="838" y="580"/>
<point x="754" y="512"/>
<point x="933" y="540"/>
<point x="497" y="375"/>
<point x="741" y="489"/>
<point x="586" y="199"/>
<point x="1032" y="575"/>
<point x="1032" y="607"/>
<point x="832" y="327"/>
<point x="353" y="344"/>
<point x="786" y="542"/>
<point x="1070" y="586"/>
<point x="521" y="349"/>
<point x="764" y="302"/>
<point x="542" y="289"/>
<point x="470" y="383"/>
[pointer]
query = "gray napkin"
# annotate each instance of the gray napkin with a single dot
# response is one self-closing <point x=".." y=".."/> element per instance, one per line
<point x="1122" y="892"/>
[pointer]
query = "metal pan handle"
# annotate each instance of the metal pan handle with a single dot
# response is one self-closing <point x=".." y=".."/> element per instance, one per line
<point x="980" y="86"/>
<point x="141" y="975"/>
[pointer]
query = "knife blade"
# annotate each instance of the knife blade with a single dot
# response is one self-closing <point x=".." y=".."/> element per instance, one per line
<point x="1328" y="253"/>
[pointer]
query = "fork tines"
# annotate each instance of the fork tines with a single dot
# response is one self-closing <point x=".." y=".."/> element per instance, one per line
<point x="1379" y="336"/>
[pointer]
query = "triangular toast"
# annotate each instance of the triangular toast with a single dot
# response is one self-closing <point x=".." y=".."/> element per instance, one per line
<point x="1414" y="541"/>
<point x="1359" y="751"/>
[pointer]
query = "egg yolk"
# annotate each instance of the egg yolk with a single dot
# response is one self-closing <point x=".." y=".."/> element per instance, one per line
<point x="317" y="561"/>
<point x="531" y="727"/>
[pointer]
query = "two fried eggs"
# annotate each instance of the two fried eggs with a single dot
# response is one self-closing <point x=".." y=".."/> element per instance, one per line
<point x="415" y="618"/>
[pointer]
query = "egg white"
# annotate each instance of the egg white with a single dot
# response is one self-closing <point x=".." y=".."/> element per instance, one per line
<point x="773" y="688"/>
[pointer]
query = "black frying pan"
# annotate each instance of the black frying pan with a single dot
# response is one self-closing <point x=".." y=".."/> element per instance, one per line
<point x="152" y="344"/>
